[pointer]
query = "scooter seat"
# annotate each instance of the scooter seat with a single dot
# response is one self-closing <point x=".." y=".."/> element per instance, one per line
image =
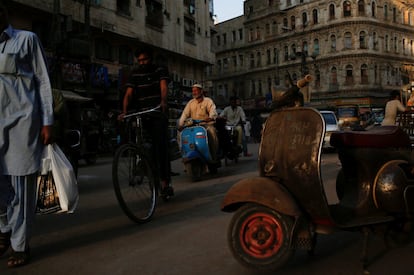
<point x="378" y="137"/>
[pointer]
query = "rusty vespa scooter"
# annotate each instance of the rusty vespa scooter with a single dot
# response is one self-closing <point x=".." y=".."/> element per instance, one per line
<point x="286" y="207"/>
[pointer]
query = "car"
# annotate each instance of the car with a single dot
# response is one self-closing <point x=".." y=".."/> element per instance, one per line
<point x="348" y="117"/>
<point x="331" y="125"/>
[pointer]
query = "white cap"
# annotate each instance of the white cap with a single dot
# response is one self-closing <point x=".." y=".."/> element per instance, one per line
<point x="197" y="85"/>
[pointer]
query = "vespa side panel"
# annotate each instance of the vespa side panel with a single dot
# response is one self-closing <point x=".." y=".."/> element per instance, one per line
<point x="263" y="191"/>
<point x="290" y="152"/>
<point x="194" y="143"/>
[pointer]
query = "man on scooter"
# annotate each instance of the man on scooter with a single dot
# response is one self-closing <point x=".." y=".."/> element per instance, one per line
<point x="202" y="108"/>
<point x="235" y="116"/>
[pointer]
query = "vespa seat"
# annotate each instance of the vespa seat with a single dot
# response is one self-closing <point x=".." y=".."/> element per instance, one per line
<point x="379" y="137"/>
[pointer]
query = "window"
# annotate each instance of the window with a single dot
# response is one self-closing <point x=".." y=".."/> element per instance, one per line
<point x="375" y="40"/>
<point x="224" y="39"/>
<point x="233" y="35"/>
<point x="241" y="63"/>
<point x="394" y="15"/>
<point x="285" y="25"/>
<point x="189" y="30"/>
<point x="122" y="7"/>
<point x="286" y="53"/>
<point x="305" y="48"/>
<point x="218" y="40"/>
<point x="259" y="59"/>
<point x="269" y="57"/>
<point x="267" y="29"/>
<point x="258" y="35"/>
<point x="315" y="16"/>
<point x="125" y="55"/>
<point x="349" y="78"/>
<point x="240" y="34"/>
<point x="275" y="56"/>
<point x="362" y="40"/>
<point x="334" y="76"/>
<point x="373" y="9"/>
<point x="385" y="11"/>
<point x="304" y="19"/>
<point x="154" y="13"/>
<point x="251" y="60"/>
<point x="103" y="49"/>
<point x="361" y="8"/>
<point x="332" y="11"/>
<point x="364" y="74"/>
<point x="333" y="43"/>
<point x="347" y="8"/>
<point x="274" y="27"/>
<point x="234" y="59"/>
<point x="317" y="78"/>
<point x="387" y="45"/>
<point x="348" y="40"/>
<point x="292" y="22"/>
<point x="315" y="47"/>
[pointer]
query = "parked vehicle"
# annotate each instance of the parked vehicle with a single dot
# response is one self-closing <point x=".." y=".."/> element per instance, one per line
<point x="331" y="125"/>
<point x="348" y="116"/>
<point x="195" y="151"/>
<point x="285" y="207"/>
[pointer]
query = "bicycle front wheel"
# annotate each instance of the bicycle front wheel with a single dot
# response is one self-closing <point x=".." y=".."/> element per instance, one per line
<point x="134" y="183"/>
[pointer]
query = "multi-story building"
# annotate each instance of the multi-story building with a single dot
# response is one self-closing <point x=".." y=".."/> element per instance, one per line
<point x="90" y="43"/>
<point x="357" y="51"/>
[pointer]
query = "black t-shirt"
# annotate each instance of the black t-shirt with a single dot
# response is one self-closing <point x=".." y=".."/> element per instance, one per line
<point x="146" y="84"/>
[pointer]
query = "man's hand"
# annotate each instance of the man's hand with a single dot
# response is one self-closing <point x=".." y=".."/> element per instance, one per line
<point x="121" y="116"/>
<point x="180" y="128"/>
<point x="46" y="134"/>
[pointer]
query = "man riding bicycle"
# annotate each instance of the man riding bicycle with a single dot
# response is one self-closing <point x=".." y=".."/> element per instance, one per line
<point x="147" y="87"/>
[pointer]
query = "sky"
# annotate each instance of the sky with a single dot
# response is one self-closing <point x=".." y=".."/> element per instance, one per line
<point x="227" y="9"/>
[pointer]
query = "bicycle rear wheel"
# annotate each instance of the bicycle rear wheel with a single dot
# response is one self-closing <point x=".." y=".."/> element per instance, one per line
<point x="134" y="183"/>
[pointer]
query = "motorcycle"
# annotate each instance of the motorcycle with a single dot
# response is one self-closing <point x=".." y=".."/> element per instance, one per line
<point x="228" y="135"/>
<point x="285" y="207"/>
<point x="195" y="150"/>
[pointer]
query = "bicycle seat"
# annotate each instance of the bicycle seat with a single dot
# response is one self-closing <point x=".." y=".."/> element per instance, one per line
<point x="378" y="137"/>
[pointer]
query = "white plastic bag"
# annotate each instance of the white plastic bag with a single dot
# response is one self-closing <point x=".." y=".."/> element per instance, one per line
<point x="65" y="179"/>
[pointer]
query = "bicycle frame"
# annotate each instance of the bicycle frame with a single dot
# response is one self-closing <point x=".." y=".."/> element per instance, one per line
<point x="139" y="136"/>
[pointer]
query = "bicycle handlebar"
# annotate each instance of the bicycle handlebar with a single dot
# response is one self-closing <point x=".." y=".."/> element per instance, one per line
<point x="155" y="109"/>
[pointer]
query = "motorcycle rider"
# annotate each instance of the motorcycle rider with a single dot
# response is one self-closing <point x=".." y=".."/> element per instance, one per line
<point x="202" y="108"/>
<point x="235" y="116"/>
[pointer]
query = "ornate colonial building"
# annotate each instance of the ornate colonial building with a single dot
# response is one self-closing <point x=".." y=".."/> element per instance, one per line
<point x="357" y="51"/>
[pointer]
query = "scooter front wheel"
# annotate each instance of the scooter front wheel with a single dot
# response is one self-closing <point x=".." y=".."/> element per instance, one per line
<point x="260" y="237"/>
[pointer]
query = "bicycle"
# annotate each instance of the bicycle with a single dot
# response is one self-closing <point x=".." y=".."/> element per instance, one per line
<point x="134" y="176"/>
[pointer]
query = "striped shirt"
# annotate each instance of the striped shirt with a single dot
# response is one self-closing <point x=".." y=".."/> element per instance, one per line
<point x="146" y="85"/>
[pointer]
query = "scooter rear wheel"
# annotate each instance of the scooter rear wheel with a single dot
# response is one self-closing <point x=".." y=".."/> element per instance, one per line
<point x="260" y="237"/>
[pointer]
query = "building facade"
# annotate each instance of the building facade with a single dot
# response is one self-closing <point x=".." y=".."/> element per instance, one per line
<point x="356" y="51"/>
<point x="90" y="43"/>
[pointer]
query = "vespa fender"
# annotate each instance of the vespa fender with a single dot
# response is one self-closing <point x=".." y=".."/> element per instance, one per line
<point x="262" y="191"/>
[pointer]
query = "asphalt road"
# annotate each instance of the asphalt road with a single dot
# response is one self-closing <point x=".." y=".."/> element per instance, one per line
<point x="186" y="236"/>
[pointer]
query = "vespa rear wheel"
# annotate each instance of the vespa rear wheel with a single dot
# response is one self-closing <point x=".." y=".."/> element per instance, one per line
<point x="195" y="170"/>
<point x="260" y="237"/>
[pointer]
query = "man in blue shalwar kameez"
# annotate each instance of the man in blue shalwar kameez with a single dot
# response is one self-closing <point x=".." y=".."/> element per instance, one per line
<point x="26" y="116"/>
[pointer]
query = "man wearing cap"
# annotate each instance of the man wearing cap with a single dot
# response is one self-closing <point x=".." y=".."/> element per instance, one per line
<point x="202" y="108"/>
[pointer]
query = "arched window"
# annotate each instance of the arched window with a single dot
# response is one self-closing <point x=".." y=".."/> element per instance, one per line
<point x="292" y="22"/>
<point x="293" y="51"/>
<point x="317" y="78"/>
<point x="274" y="27"/>
<point x="332" y="11"/>
<point x="347" y="8"/>
<point x="315" y="16"/>
<point x="348" y="40"/>
<point x="315" y="47"/>
<point x="304" y="19"/>
<point x="259" y="59"/>
<point x="334" y="76"/>
<point x="364" y="74"/>
<point x="252" y="60"/>
<point x="373" y="9"/>
<point x="333" y="43"/>
<point x="305" y="48"/>
<point x="385" y="11"/>
<point x="387" y="44"/>
<point x="362" y="40"/>
<point x="349" y="78"/>
<point x="361" y="8"/>
<point x="375" y="40"/>
<point x="285" y="25"/>
<point x="286" y="53"/>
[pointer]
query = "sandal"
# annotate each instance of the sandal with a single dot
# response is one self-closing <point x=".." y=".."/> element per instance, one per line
<point x="18" y="259"/>
<point x="4" y="242"/>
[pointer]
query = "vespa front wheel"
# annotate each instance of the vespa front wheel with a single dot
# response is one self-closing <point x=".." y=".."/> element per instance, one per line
<point x="260" y="237"/>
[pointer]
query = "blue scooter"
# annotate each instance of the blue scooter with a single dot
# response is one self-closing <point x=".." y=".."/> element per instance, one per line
<point x="195" y="151"/>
